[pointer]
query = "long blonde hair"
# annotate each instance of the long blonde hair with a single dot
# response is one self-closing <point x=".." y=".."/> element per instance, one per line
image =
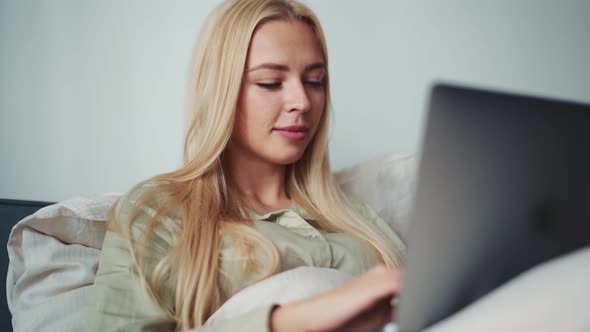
<point x="208" y="204"/>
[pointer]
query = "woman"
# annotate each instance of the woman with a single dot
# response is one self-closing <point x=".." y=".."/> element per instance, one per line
<point x="254" y="197"/>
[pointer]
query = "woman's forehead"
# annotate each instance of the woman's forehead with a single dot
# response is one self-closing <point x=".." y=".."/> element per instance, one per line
<point x="285" y="42"/>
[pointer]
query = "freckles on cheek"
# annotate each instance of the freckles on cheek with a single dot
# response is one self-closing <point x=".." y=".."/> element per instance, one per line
<point x="320" y="99"/>
<point x="256" y="114"/>
<point x="263" y="107"/>
<point x="251" y="100"/>
<point x="262" y="98"/>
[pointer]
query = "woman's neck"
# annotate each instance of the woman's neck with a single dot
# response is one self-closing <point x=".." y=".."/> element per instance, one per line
<point x="260" y="184"/>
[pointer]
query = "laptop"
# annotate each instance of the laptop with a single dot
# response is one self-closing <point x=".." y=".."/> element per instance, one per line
<point x="503" y="184"/>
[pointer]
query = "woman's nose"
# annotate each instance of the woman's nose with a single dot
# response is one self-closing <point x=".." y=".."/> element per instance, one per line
<point x="297" y="98"/>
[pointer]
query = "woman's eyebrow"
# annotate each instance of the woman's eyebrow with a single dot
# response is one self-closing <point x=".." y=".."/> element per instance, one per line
<point x="276" y="66"/>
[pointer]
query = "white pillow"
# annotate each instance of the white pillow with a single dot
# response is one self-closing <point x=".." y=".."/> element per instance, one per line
<point x="387" y="184"/>
<point x="552" y="296"/>
<point x="288" y="286"/>
<point x="53" y="257"/>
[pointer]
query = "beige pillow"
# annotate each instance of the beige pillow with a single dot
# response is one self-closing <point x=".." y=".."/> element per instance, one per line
<point x="288" y="286"/>
<point x="53" y="257"/>
<point x="387" y="185"/>
<point x="552" y="296"/>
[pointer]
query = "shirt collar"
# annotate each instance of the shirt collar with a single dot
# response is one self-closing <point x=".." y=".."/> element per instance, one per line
<point x="274" y="214"/>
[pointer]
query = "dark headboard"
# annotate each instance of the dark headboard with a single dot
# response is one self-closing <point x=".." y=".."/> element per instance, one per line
<point x="11" y="212"/>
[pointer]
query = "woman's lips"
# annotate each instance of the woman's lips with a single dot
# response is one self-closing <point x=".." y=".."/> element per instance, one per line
<point x="291" y="135"/>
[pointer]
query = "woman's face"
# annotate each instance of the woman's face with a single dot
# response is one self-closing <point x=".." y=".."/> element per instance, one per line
<point x="282" y="87"/>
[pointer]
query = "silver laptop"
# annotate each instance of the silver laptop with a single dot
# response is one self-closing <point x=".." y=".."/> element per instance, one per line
<point x="503" y="184"/>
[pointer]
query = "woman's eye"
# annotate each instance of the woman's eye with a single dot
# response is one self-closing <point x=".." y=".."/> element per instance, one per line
<point x="314" y="83"/>
<point x="270" y="86"/>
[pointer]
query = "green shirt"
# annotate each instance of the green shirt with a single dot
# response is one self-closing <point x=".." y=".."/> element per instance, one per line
<point x="121" y="303"/>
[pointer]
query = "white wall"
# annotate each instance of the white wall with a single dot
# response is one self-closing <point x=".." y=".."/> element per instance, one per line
<point x="91" y="92"/>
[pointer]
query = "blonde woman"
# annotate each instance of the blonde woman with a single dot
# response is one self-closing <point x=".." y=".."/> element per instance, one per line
<point x="255" y="195"/>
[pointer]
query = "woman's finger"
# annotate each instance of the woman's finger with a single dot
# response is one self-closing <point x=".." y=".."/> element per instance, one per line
<point x="370" y="320"/>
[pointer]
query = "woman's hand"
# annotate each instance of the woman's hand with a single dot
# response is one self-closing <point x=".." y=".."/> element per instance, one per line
<point x="362" y="304"/>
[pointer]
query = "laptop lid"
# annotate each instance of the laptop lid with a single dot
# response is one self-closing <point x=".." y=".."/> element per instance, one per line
<point x="503" y="184"/>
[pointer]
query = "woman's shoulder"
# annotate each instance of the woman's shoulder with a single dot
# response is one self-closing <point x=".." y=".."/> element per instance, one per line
<point x="137" y="208"/>
<point x="373" y="218"/>
<point x="357" y="203"/>
<point x="139" y="190"/>
<point x="362" y="207"/>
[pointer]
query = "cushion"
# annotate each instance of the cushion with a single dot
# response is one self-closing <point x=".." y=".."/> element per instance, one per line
<point x="387" y="184"/>
<point x="53" y="260"/>
<point x="287" y="286"/>
<point x="552" y="296"/>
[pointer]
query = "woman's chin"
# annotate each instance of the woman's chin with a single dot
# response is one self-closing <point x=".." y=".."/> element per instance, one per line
<point x="288" y="161"/>
<point x="285" y="158"/>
